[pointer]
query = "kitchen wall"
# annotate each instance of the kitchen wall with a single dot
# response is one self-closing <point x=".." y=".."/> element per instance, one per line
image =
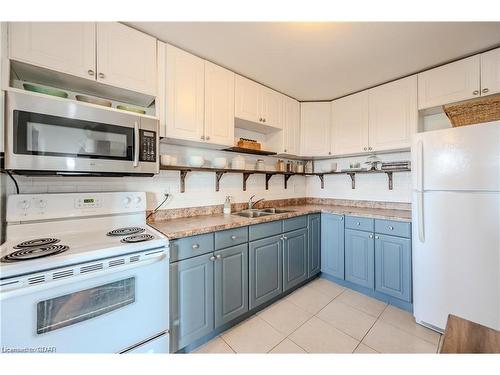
<point x="200" y="186"/>
<point x="368" y="187"/>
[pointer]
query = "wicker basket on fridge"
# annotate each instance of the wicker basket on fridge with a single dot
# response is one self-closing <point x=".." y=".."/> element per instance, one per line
<point x="474" y="111"/>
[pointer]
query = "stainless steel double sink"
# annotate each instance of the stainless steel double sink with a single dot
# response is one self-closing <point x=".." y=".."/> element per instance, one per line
<point x="255" y="212"/>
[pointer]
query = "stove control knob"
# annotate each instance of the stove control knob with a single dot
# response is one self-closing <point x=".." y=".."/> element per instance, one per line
<point x="24" y="204"/>
<point x="127" y="201"/>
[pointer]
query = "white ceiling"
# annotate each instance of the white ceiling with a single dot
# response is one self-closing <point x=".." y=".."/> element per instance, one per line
<point x="321" y="61"/>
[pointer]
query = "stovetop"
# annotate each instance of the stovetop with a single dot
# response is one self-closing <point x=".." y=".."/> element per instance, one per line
<point x="64" y="248"/>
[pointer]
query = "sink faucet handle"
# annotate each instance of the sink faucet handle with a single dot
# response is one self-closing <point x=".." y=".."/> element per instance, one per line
<point x="252" y="197"/>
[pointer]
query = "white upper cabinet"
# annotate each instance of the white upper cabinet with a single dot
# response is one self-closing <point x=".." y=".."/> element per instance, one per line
<point x="291" y="126"/>
<point x="449" y="83"/>
<point x="350" y="124"/>
<point x="247" y="102"/>
<point x="315" y="129"/>
<point x="68" y="47"/>
<point x="393" y="115"/>
<point x="185" y="82"/>
<point x="219" y="105"/>
<point x="257" y="103"/>
<point x="126" y="58"/>
<point x="490" y="72"/>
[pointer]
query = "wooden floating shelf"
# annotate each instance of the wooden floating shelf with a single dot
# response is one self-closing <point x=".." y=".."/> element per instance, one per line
<point x="219" y="172"/>
<point x="242" y="150"/>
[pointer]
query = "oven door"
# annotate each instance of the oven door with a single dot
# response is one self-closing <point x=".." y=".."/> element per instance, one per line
<point x="50" y="135"/>
<point x="104" y="311"/>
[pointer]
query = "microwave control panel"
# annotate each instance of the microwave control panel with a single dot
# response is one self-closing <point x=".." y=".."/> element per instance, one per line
<point x="147" y="146"/>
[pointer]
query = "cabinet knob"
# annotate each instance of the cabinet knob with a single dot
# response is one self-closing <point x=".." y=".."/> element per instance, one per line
<point x="376" y="237"/>
<point x="364" y="148"/>
<point x="284" y="150"/>
<point x="101" y="75"/>
<point x="195" y="246"/>
<point x="263" y="120"/>
<point x="390" y="227"/>
<point x="207" y="138"/>
<point x="370" y="148"/>
<point x="233" y="237"/>
<point x="212" y="259"/>
<point x="260" y="119"/>
<point x="485" y="91"/>
<point x="371" y="236"/>
<point x="90" y="72"/>
<point x="475" y="92"/>
<point x="202" y="137"/>
<point x="329" y="153"/>
<point x="218" y="256"/>
<point x="358" y="223"/>
<point x="342" y="218"/>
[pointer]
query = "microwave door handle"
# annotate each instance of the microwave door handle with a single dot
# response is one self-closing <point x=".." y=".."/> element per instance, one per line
<point x="30" y="289"/>
<point x="136" y="144"/>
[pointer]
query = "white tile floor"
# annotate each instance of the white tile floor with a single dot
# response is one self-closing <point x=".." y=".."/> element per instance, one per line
<point x="324" y="317"/>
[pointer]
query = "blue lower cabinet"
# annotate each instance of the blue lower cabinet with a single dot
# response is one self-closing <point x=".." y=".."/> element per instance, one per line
<point x="231" y="283"/>
<point x="332" y="245"/>
<point x="294" y="258"/>
<point x="191" y="300"/>
<point x="360" y="258"/>
<point x="393" y="266"/>
<point x="265" y="269"/>
<point x="314" y="245"/>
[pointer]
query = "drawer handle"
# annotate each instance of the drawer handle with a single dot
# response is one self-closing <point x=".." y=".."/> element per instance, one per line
<point x="390" y="227"/>
<point x="358" y="223"/>
<point x="218" y="256"/>
<point x="342" y="218"/>
<point x="233" y="237"/>
<point x="212" y="259"/>
<point x="376" y="237"/>
<point x="371" y="236"/>
<point x="195" y="246"/>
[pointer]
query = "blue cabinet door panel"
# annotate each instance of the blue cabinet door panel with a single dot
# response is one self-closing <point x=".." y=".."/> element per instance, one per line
<point x="294" y="258"/>
<point x="332" y="245"/>
<point x="359" y="258"/>
<point x="314" y="246"/>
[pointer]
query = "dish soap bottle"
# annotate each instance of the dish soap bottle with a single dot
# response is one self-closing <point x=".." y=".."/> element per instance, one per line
<point x="227" y="205"/>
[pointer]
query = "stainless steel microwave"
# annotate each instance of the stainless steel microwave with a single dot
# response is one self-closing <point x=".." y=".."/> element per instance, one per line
<point x="46" y="135"/>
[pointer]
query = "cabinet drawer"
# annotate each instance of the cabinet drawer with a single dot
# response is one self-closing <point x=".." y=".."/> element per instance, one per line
<point x="263" y="230"/>
<point x="393" y="228"/>
<point x="294" y="223"/>
<point x="359" y="223"/>
<point x="191" y="246"/>
<point x="231" y="237"/>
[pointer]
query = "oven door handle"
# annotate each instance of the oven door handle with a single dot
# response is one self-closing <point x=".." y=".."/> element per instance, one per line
<point x="136" y="144"/>
<point x="29" y="289"/>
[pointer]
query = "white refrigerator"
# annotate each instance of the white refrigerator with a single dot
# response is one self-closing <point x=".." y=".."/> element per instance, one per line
<point x="456" y="225"/>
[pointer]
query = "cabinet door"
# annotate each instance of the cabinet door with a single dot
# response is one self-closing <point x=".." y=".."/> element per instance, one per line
<point x="359" y="258"/>
<point x="294" y="258"/>
<point x="393" y="114"/>
<point x="184" y="95"/>
<point x="271" y="107"/>
<point x="315" y="129"/>
<point x="393" y="266"/>
<point x="291" y="126"/>
<point x="490" y="72"/>
<point x="266" y="265"/>
<point x="332" y="245"/>
<point x="219" y="105"/>
<point x="449" y="83"/>
<point x="126" y="58"/>
<point x="247" y="100"/>
<point x="350" y="124"/>
<point x="68" y="47"/>
<point x="231" y="283"/>
<point x="192" y="300"/>
<point x="314" y="248"/>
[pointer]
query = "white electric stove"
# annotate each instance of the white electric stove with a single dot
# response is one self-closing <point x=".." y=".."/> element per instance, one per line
<point x="83" y="273"/>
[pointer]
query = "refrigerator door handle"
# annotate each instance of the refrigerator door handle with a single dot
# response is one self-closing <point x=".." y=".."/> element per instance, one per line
<point x="420" y="214"/>
<point x="420" y="166"/>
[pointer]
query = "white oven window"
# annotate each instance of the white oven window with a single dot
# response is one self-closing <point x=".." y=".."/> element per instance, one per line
<point x="86" y="304"/>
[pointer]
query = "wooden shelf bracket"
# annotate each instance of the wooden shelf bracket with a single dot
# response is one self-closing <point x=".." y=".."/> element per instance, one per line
<point x="353" y="180"/>
<point x="218" y="176"/>
<point x="245" y="178"/>
<point x="183" y="180"/>
<point x="389" y="176"/>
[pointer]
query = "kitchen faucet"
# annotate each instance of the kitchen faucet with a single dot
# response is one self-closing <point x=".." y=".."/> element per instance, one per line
<point x="251" y="203"/>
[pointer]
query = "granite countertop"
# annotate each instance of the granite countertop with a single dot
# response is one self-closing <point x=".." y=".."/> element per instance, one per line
<point x="190" y="226"/>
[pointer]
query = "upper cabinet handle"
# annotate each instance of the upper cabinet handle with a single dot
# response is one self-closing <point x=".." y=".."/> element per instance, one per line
<point x="475" y="92"/>
<point x="101" y="75"/>
<point x="485" y="90"/>
<point x="90" y="72"/>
